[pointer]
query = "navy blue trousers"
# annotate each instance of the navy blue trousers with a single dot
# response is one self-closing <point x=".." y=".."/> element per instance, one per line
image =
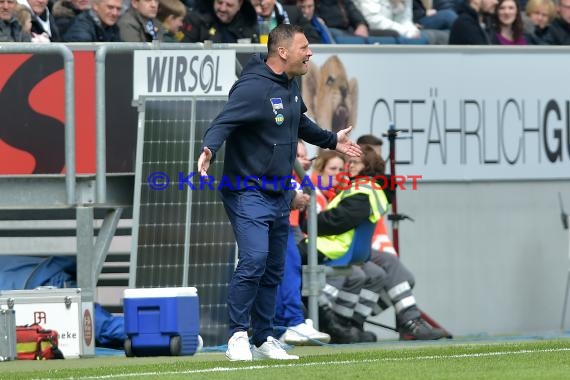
<point x="261" y="224"/>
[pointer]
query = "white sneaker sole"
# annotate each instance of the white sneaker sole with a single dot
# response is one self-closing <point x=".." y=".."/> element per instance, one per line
<point x="263" y="357"/>
<point x="300" y="340"/>
<point x="248" y="359"/>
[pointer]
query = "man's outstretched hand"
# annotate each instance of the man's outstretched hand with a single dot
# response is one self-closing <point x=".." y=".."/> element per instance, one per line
<point x="345" y="145"/>
<point x="204" y="161"/>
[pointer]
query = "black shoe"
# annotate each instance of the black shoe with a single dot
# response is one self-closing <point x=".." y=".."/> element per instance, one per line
<point x="339" y="328"/>
<point x="344" y="335"/>
<point x="418" y="329"/>
<point x="363" y="335"/>
<point x="366" y="337"/>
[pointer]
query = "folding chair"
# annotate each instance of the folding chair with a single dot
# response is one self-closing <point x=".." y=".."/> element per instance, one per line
<point x="359" y="250"/>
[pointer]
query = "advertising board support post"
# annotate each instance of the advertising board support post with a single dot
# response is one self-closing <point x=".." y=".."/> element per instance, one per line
<point x="565" y="220"/>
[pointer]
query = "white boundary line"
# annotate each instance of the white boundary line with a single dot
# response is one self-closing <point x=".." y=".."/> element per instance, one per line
<point x="312" y="364"/>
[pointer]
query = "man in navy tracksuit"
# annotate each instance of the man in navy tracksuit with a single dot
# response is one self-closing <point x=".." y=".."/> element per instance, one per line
<point x="261" y="123"/>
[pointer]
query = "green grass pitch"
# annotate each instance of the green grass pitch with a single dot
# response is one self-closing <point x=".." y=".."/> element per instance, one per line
<point x="511" y="359"/>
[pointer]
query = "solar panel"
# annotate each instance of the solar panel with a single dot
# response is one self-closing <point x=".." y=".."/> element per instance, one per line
<point x="182" y="236"/>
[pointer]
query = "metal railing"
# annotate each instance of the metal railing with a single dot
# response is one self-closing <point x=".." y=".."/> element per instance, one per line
<point x="68" y="68"/>
<point x="100" y="73"/>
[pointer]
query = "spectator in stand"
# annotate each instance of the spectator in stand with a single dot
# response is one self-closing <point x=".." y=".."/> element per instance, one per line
<point x="395" y="15"/>
<point x="440" y="5"/>
<point x="43" y="24"/>
<point x="98" y="24"/>
<point x="471" y="27"/>
<point x="559" y="31"/>
<point x="64" y="11"/>
<point x="307" y="7"/>
<point x="430" y="18"/>
<point x="275" y="13"/>
<point x="345" y="22"/>
<point x="139" y="23"/>
<point x="171" y="15"/>
<point x="507" y="24"/>
<point x="10" y="28"/>
<point x="24" y="16"/>
<point x="539" y="15"/>
<point x="221" y="21"/>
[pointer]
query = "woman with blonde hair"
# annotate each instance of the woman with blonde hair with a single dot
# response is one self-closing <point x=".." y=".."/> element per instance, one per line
<point x="328" y="165"/>
<point x="24" y="16"/>
<point x="540" y="14"/>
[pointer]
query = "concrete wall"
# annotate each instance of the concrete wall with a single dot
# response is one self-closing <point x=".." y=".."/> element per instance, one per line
<point x="488" y="257"/>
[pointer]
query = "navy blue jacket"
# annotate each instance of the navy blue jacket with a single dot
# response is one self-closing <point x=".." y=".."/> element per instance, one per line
<point x="261" y="123"/>
<point x="558" y="33"/>
<point x="84" y="28"/>
<point x="466" y="29"/>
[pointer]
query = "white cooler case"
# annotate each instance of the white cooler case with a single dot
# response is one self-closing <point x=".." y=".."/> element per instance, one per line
<point x="56" y="309"/>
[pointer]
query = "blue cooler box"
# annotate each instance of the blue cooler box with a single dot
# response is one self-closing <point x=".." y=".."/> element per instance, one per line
<point x="161" y="321"/>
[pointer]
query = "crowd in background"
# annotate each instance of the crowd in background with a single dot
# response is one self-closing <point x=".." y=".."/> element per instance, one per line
<point x="456" y="22"/>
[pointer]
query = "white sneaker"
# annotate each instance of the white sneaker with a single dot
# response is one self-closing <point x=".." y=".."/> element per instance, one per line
<point x="304" y="334"/>
<point x="238" y="347"/>
<point x="272" y="349"/>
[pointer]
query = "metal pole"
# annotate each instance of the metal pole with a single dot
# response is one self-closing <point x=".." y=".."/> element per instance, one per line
<point x="100" y="112"/>
<point x="69" y="72"/>
<point x="312" y="260"/>
<point x="563" y="320"/>
<point x="392" y="133"/>
<point x="565" y="222"/>
<point x="100" y="115"/>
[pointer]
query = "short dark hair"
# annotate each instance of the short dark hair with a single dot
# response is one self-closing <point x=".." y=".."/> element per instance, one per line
<point x="282" y="34"/>
<point x="369" y="140"/>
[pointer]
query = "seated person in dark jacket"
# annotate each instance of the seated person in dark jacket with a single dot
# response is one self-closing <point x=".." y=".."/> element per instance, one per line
<point x="467" y="28"/>
<point x="307" y="7"/>
<point x="559" y="31"/>
<point x="65" y="11"/>
<point x="276" y="14"/>
<point x="344" y="20"/>
<point x="10" y="28"/>
<point x="220" y="21"/>
<point x="98" y="24"/>
<point x="432" y="18"/>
